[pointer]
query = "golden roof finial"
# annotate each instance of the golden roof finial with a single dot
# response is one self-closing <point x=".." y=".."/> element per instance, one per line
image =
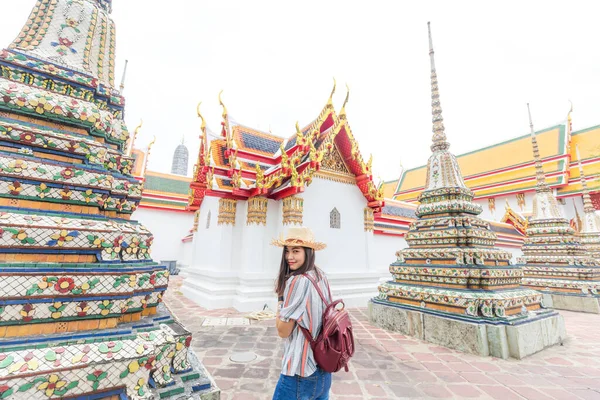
<point x="224" y="115"/>
<point x="203" y="125"/>
<point x="370" y="165"/>
<point x="342" y="114"/>
<point x="148" y="150"/>
<point x="330" y="100"/>
<point x="135" y="133"/>
<point x="226" y="122"/>
<point x="300" y="139"/>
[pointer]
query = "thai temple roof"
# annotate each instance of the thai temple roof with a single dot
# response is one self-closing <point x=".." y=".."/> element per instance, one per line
<point x="244" y="162"/>
<point x="509" y="167"/>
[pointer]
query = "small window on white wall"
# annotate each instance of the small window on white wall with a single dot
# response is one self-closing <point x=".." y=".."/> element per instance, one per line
<point x="208" y="220"/>
<point x="334" y="219"/>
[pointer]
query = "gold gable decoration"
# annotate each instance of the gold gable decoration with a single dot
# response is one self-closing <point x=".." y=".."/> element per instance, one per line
<point x="369" y="219"/>
<point x="293" y="208"/>
<point x="227" y="208"/>
<point x="257" y="211"/>
<point x="333" y="162"/>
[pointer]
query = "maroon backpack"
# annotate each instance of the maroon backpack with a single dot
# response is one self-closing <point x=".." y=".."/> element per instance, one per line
<point x="334" y="346"/>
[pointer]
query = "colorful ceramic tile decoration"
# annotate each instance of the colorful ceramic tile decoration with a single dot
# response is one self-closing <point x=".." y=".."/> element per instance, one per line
<point x="451" y="269"/>
<point x="557" y="261"/>
<point x="80" y="301"/>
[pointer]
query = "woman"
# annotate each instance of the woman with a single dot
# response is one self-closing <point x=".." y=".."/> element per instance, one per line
<point x="300" y="305"/>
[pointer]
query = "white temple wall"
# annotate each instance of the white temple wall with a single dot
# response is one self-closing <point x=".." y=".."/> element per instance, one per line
<point x="237" y="266"/>
<point x="346" y="249"/>
<point x="168" y="228"/>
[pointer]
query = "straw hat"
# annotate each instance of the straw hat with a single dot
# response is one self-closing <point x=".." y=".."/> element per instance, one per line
<point x="299" y="237"/>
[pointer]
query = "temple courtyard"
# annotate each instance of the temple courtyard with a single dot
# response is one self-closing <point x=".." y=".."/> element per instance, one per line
<point x="393" y="366"/>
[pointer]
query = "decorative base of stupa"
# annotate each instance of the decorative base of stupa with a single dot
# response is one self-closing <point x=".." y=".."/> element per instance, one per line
<point x="570" y="295"/>
<point x="517" y="338"/>
<point x="147" y="359"/>
<point x="573" y="302"/>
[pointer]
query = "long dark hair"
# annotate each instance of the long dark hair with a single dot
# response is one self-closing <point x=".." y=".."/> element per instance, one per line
<point x="285" y="273"/>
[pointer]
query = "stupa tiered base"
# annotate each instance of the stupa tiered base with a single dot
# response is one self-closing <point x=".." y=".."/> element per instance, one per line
<point x="137" y="360"/>
<point x="501" y="331"/>
<point x="566" y="287"/>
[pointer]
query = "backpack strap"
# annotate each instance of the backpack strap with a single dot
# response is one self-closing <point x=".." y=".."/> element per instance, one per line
<point x="305" y="331"/>
<point x="316" y="285"/>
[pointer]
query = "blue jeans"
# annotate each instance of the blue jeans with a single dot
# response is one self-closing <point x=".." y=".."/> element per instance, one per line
<point x="314" y="387"/>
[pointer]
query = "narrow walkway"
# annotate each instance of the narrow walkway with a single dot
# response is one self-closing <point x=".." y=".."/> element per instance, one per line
<point x="394" y="366"/>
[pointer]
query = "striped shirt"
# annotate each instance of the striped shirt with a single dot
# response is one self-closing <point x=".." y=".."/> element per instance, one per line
<point x="302" y="303"/>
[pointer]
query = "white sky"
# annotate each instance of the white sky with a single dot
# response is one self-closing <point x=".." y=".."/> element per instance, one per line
<point x="275" y="61"/>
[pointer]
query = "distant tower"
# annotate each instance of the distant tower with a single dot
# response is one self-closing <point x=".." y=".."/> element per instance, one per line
<point x="180" y="160"/>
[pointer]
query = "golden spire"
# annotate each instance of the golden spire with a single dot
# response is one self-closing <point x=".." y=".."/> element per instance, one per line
<point x="204" y="148"/>
<point x="587" y="201"/>
<point x="539" y="169"/>
<point x="342" y="114"/>
<point x="135" y="133"/>
<point x="148" y="155"/>
<point x="439" y="135"/>
<point x="330" y="100"/>
<point x="225" y="116"/>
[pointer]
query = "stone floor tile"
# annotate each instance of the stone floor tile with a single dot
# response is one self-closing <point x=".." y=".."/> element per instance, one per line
<point x="559" y="394"/>
<point x="465" y="391"/>
<point x="421" y="376"/>
<point x="425" y="357"/>
<point x="477" y="378"/>
<point x="500" y="392"/>
<point x="436" y="391"/>
<point x="507" y="379"/>
<point x="368" y="375"/>
<point x="345" y="388"/>
<point x="449" y="377"/>
<point x="486" y="366"/>
<point x="405" y="391"/>
<point x="393" y="366"/>
<point x="529" y="393"/>
<point x="375" y="390"/>
<point x="587" y="394"/>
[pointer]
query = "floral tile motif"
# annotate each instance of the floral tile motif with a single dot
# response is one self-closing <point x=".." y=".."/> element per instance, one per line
<point x="33" y="169"/>
<point x="47" y="138"/>
<point x="111" y="240"/>
<point x="76" y="369"/>
<point x="17" y="96"/>
<point x="474" y="303"/>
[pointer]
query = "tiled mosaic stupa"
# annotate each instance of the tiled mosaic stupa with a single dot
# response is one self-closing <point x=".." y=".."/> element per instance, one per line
<point x="451" y="286"/>
<point x="555" y="261"/>
<point x="590" y="230"/>
<point x="80" y="301"/>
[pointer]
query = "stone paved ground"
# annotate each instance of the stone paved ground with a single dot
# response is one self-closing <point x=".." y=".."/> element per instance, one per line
<point x="393" y="366"/>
